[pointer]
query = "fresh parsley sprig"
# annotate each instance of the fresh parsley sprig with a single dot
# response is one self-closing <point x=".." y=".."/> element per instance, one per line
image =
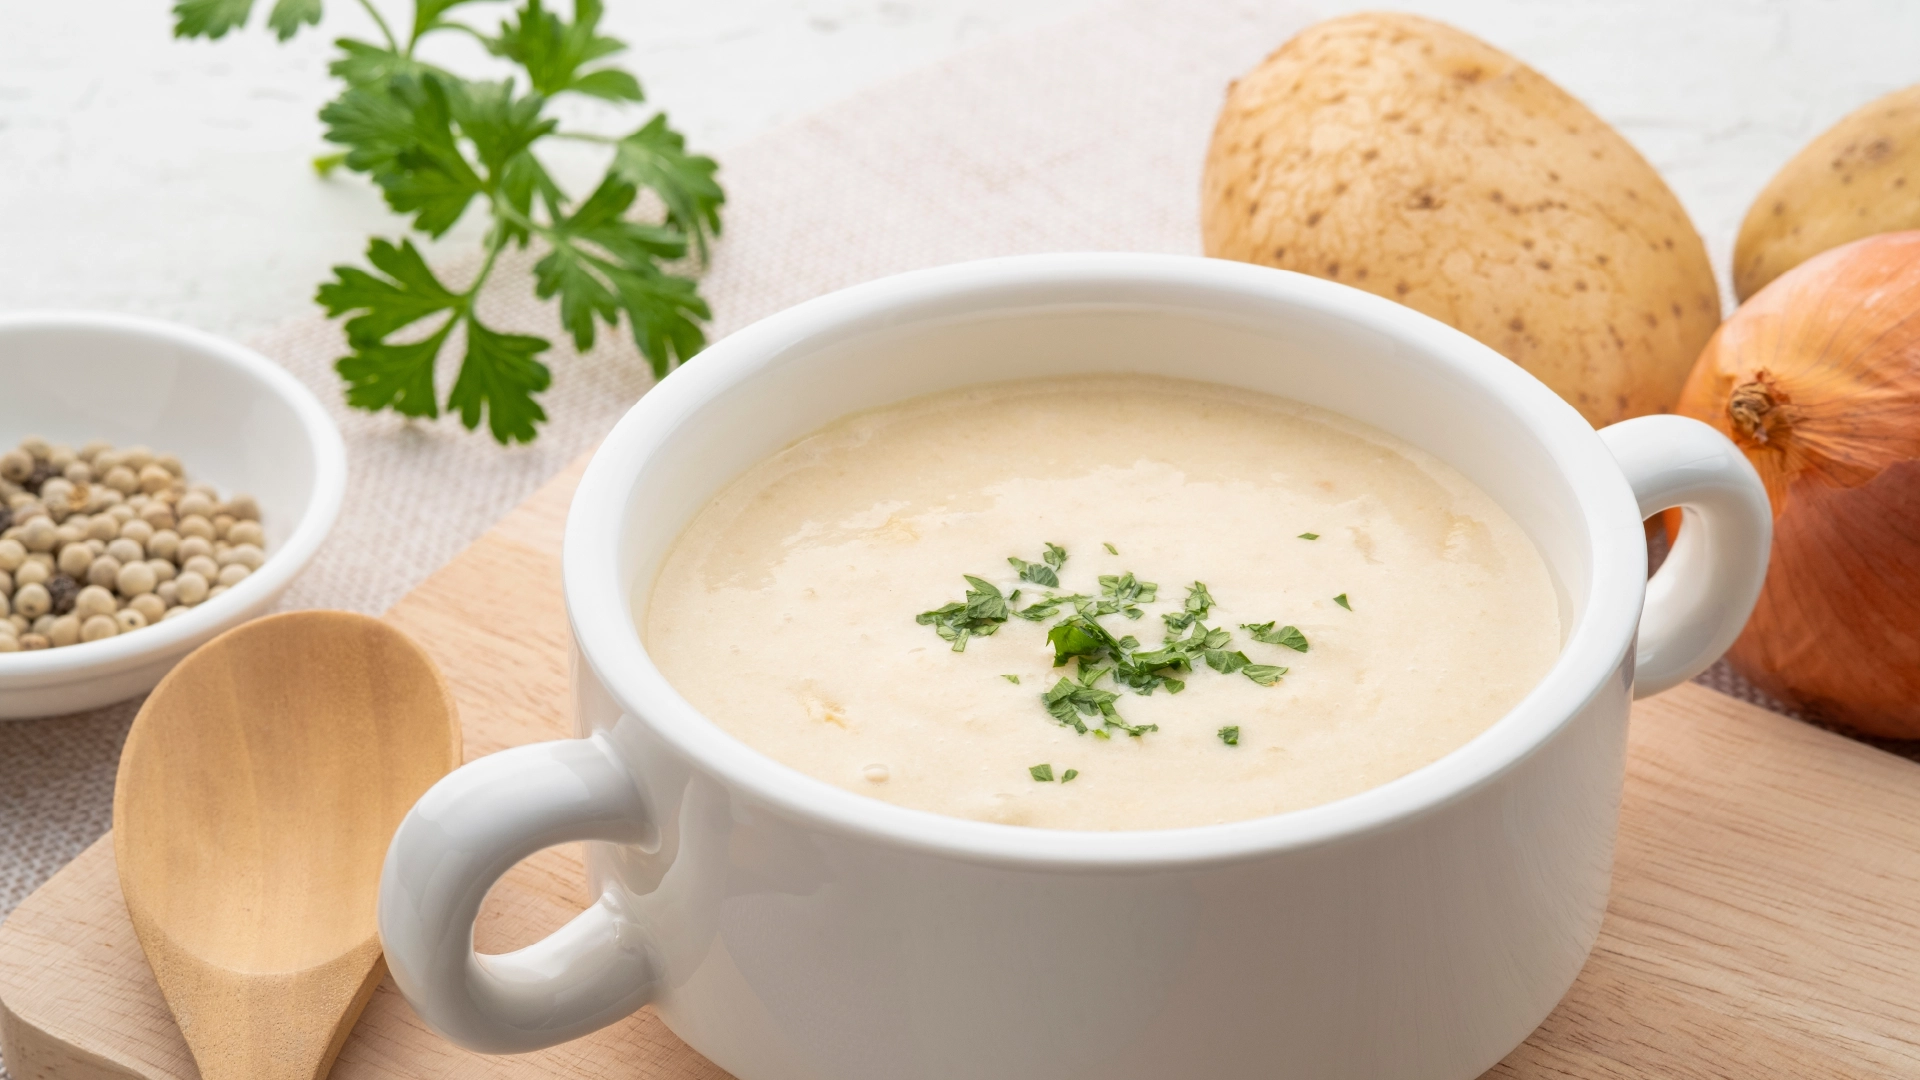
<point x="436" y="144"/>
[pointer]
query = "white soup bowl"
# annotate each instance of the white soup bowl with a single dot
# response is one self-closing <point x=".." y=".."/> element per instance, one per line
<point x="791" y="930"/>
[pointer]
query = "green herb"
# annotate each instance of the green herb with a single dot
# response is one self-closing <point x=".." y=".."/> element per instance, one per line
<point x="1124" y="593"/>
<point x="435" y="144"/>
<point x="1342" y="601"/>
<point x="1111" y="550"/>
<point x="980" y="615"/>
<point x="1042" y="773"/>
<point x="1068" y="775"/>
<point x="1198" y="603"/>
<point x="1045" y="572"/>
<point x="1264" y="674"/>
<point x="1290" y="636"/>
<point x="1309" y="536"/>
<point x="1229" y="735"/>
<point x="1014" y="679"/>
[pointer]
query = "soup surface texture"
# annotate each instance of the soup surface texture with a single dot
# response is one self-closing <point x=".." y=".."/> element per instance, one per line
<point x="786" y="612"/>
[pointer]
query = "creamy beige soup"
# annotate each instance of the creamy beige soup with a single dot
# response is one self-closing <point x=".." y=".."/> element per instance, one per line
<point x="790" y="611"/>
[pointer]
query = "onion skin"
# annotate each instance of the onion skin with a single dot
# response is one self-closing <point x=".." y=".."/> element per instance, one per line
<point x="1817" y="379"/>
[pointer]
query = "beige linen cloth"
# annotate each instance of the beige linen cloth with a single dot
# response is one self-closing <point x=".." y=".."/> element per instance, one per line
<point x="1087" y="136"/>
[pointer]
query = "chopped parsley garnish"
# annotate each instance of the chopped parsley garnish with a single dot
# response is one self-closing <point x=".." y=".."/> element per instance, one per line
<point x="1264" y="674"/>
<point x="1042" y="773"/>
<point x="1342" y="601"/>
<point x="980" y="615"/>
<point x="1068" y="775"/>
<point x="1290" y="636"/>
<point x="1309" y="536"/>
<point x="1046" y="571"/>
<point x="1199" y="602"/>
<point x="1229" y="735"/>
<point x="1078" y="638"/>
<point x="1111" y="550"/>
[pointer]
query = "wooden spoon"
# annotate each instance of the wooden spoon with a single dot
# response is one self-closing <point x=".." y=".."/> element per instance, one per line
<point x="258" y="790"/>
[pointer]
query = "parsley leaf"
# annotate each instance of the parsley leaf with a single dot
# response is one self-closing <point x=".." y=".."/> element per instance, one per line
<point x="1198" y="603"/>
<point x="1041" y="773"/>
<point x="979" y="615"/>
<point x="1045" y="572"/>
<point x="1264" y="674"/>
<point x="1290" y="636"/>
<point x="656" y="157"/>
<point x="436" y="144"/>
<point x="1309" y="536"/>
<point x="1068" y="775"/>
<point x="1111" y="550"/>
<point x="1342" y="601"/>
<point x="1229" y="735"/>
<point x="209" y="18"/>
<point x="1014" y="679"/>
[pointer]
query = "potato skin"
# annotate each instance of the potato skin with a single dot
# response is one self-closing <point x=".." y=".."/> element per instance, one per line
<point x="1861" y="177"/>
<point x="1412" y="160"/>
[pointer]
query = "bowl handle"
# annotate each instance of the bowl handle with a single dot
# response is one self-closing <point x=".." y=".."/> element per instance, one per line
<point x="463" y="834"/>
<point x="1699" y="600"/>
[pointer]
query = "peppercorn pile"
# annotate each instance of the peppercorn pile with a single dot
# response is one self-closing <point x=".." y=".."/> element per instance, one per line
<point x="99" y="542"/>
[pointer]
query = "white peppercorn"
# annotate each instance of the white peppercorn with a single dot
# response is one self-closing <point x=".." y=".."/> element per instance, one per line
<point x="168" y="592"/>
<point x="121" y="512"/>
<point x="32" y="600"/>
<point x="61" y="456"/>
<point x="38" y="534"/>
<point x="12" y="554"/>
<point x="158" y="514"/>
<point x="223" y="524"/>
<point x="36" y="446"/>
<point x="74" y="560"/>
<point x="164" y="544"/>
<point x="44" y="558"/>
<point x="64" y="631"/>
<point x="243" y="507"/>
<point x="103" y="571"/>
<point x="101" y="497"/>
<point x="94" y="600"/>
<point x="190" y="586"/>
<point x="79" y="472"/>
<point x="6" y="609"/>
<point x="174" y="613"/>
<point x="202" y="565"/>
<point x="216" y="591"/>
<point x="94" y="449"/>
<point x="31" y="642"/>
<point x="137" y="456"/>
<point x="16" y="465"/>
<point x="136" y="578"/>
<point x="170" y="463"/>
<point x="98" y="547"/>
<point x="244" y="554"/>
<point x="31" y="572"/>
<point x="233" y="574"/>
<point x="150" y="607"/>
<point x="154" y="479"/>
<point x="129" y="619"/>
<point x="194" y="504"/>
<point x="121" y="479"/>
<point x="197" y="526"/>
<point x="99" y="627"/>
<point x="163" y="570"/>
<point x="248" y="532"/>
<point x="19" y="623"/>
<point x="138" y="531"/>
<point x="6" y="585"/>
<point x="67" y="534"/>
<point x="43" y="624"/>
<point x="103" y="527"/>
<point x="9" y="643"/>
<point x="126" y="551"/>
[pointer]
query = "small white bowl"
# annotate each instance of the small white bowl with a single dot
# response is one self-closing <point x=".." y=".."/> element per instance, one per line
<point x="234" y="418"/>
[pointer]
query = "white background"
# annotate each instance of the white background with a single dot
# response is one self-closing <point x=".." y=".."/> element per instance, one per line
<point x="171" y="178"/>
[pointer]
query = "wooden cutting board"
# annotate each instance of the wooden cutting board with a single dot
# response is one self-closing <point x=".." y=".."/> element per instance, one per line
<point x="1765" y="919"/>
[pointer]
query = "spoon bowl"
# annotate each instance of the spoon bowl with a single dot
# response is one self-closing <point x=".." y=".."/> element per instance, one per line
<point x="258" y="790"/>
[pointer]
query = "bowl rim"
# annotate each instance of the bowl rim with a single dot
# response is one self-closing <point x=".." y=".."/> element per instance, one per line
<point x="48" y="667"/>
<point x="1597" y="650"/>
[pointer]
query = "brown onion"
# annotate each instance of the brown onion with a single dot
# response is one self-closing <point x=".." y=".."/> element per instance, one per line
<point x="1817" y="378"/>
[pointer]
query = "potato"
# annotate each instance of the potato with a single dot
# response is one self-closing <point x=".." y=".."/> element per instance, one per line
<point x="1414" y="161"/>
<point x="1860" y="178"/>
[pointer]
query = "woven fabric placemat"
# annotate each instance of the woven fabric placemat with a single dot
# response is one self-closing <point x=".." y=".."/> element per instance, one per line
<point x="1086" y="136"/>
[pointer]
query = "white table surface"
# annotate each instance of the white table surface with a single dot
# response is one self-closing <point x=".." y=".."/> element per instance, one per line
<point x="170" y="178"/>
